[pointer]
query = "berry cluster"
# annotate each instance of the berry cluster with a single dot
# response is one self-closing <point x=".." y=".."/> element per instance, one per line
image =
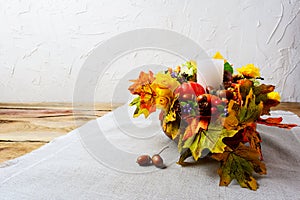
<point x="187" y="109"/>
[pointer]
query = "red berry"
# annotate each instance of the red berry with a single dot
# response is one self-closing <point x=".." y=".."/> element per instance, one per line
<point x="217" y="102"/>
<point x="213" y="110"/>
<point x="187" y="97"/>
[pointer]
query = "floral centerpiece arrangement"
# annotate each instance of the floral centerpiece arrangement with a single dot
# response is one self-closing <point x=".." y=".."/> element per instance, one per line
<point x="215" y="123"/>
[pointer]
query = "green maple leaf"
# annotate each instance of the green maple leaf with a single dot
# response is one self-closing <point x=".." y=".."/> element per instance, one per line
<point x="195" y="148"/>
<point x="210" y="139"/>
<point x="240" y="164"/>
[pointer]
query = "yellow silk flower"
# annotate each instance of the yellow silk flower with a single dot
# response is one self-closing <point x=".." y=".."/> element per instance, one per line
<point x="162" y="102"/>
<point x="249" y="71"/>
<point x="165" y="81"/>
<point x="274" y="96"/>
<point x="163" y="96"/>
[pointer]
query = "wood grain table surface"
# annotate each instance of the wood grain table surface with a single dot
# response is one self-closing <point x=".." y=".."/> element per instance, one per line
<point x="27" y="126"/>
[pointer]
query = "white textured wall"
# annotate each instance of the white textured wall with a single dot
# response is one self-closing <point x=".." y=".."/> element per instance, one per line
<point x="44" y="43"/>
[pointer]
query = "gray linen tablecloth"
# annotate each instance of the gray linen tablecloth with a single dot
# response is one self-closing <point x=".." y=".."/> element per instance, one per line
<point x="97" y="161"/>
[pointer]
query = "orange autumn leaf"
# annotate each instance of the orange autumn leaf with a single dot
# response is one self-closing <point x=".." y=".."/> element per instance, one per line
<point x="139" y="84"/>
<point x="194" y="126"/>
<point x="191" y="129"/>
<point x="145" y="103"/>
<point x="273" y="121"/>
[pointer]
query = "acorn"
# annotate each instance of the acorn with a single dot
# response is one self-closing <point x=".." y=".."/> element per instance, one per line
<point x="158" y="161"/>
<point x="144" y="160"/>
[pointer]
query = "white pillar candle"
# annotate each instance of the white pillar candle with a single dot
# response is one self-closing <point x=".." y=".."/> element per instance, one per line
<point x="210" y="72"/>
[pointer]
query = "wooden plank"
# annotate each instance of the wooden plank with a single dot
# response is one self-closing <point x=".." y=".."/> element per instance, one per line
<point x="11" y="150"/>
<point x="60" y="105"/>
<point x="289" y="106"/>
<point x="27" y="126"/>
<point x="35" y="126"/>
